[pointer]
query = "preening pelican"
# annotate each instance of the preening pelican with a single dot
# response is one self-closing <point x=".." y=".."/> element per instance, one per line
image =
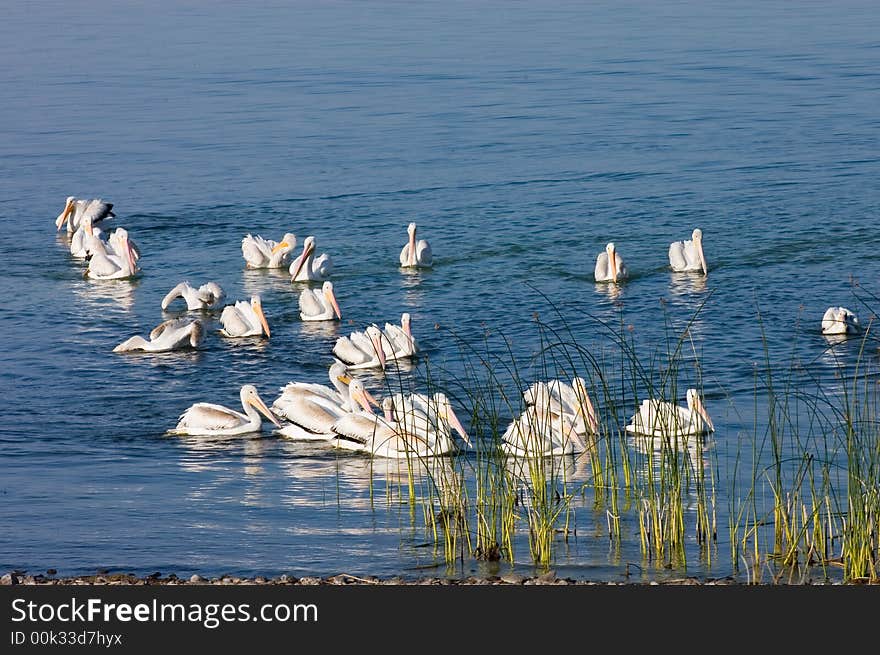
<point x="397" y="340"/>
<point x="104" y="265"/>
<point x="308" y="267"/>
<point x="659" y="418"/>
<point x="688" y="255"/>
<point x="206" y="419"/>
<point x="77" y="208"/>
<point x="416" y="254"/>
<point x="319" y="305"/>
<point x="244" y="319"/>
<point x="361" y="349"/>
<point x="337" y="394"/>
<point x="173" y="334"/>
<point x="266" y="253"/>
<point x="207" y="296"/>
<point x="840" y="320"/>
<point x="558" y="420"/>
<point x="313" y="414"/>
<point x="610" y="266"/>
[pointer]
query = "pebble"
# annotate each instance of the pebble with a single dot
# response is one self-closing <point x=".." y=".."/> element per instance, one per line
<point x="195" y="578"/>
<point x="7" y="580"/>
<point x="513" y="578"/>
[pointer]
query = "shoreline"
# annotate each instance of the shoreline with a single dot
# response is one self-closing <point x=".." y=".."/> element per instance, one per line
<point x="512" y="579"/>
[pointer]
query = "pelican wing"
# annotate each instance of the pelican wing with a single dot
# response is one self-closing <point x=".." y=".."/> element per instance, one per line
<point x="256" y="250"/>
<point x="97" y="210"/>
<point x="603" y="269"/>
<point x="235" y="322"/>
<point x="102" y="265"/>
<point x="209" y="416"/>
<point x="347" y="350"/>
<point x="314" y="416"/>
<point x="311" y="303"/>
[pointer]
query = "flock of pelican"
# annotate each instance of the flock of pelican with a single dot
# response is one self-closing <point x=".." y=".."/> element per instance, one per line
<point x="558" y="417"/>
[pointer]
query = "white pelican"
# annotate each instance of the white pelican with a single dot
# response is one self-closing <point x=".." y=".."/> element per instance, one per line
<point x="558" y="420"/>
<point x="75" y="209"/>
<point x="361" y="349"/>
<point x="312" y="415"/>
<point x="658" y="418"/>
<point x="173" y="334"/>
<point x="319" y="305"/>
<point x="416" y="254"/>
<point x="244" y="319"/>
<point x="840" y="320"/>
<point x="104" y="265"/>
<point x="266" y="253"/>
<point x="207" y="296"/>
<point x="688" y="255"/>
<point x="206" y="419"/>
<point x="610" y="266"/>
<point x="308" y="267"/>
<point x="398" y="341"/>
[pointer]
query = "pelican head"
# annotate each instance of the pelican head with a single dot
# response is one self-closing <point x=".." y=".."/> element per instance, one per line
<point x="444" y="409"/>
<point x="696" y="405"/>
<point x="329" y="296"/>
<point x="404" y="323"/>
<point x="375" y="335"/>
<point x="697" y="237"/>
<point x="359" y="394"/>
<point x="257" y="306"/>
<point x="411" y="230"/>
<point x="308" y="249"/>
<point x="68" y="208"/>
<point x="287" y="243"/>
<point x="585" y="405"/>
<point x="249" y="396"/>
<point x="612" y="259"/>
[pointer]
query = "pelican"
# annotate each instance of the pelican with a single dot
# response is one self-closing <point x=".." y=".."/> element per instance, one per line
<point x="610" y="266"/>
<point x="173" y="334"/>
<point x="312" y="415"/>
<point x="308" y="267"/>
<point x="688" y="255"/>
<point x="207" y="296"/>
<point x="361" y="349"/>
<point x="244" y="319"/>
<point x="416" y="254"/>
<point x="397" y="340"/>
<point x="315" y="305"/>
<point x="266" y="253"/>
<point x="840" y="320"/>
<point x="657" y="418"/>
<point x="206" y="419"/>
<point x="104" y="265"/>
<point x="558" y="420"/>
<point x="75" y="209"/>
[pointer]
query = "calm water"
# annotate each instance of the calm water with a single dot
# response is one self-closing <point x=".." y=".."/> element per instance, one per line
<point x="521" y="137"/>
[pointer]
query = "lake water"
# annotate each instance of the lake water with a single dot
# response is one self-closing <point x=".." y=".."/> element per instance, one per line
<point x="521" y="137"/>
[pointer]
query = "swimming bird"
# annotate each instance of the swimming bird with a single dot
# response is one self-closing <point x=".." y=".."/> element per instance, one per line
<point x="207" y="296"/>
<point x="398" y="341"/>
<point x="416" y="254"/>
<point x="337" y="393"/>
<point x="658" y="418"/>
<point x="319" y="305"/>
<point x="206" y="419"/>
<point x="76" y="208"/>
<point x="558" y="419"/>
<point x="361" y="349"/>
<point x="244" y="319"/>
<point x="114" y="260"/>
<point x="173" y="334"/>
<point x="266" y="253"/>
<point x="610" y="266"/>
<point x="308" y="267"/>
<point x="688" y="255"/>
<point x="431" y="418"/>
<point x="840" y="320"/>
<point x="312" y="415"/>
<point x="82" y="243"/>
